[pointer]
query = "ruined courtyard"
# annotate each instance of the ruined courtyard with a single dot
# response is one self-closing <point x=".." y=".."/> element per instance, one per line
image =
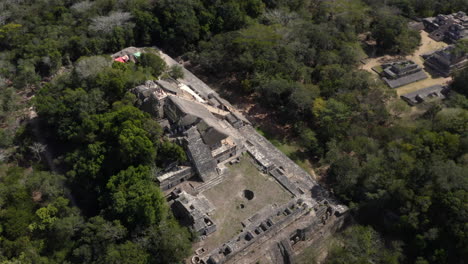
<point x="245" y="192"/>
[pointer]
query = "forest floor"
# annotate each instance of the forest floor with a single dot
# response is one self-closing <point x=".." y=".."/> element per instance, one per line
<point x="427" y="45"/>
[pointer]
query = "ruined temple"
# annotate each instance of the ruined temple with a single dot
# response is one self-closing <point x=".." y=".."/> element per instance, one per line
<point x="450" y="28"/>
<point x="397" y="74"/>
<point x="419" y="96"/>
<point x="193" y="211"/>
<point x="446" y="61"/>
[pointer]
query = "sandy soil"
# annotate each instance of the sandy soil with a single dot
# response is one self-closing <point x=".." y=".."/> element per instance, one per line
<point x="427" y="45"/>
<point x="422" y="84"/>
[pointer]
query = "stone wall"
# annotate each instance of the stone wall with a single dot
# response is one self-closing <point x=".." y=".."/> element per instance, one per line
<point x="171" y="179"/>
<point x="226" y="154"/>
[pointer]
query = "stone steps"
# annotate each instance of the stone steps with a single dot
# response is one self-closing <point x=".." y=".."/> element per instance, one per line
<point x="209" y="184"/>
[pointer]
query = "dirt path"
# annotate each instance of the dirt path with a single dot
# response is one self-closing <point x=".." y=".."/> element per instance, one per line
<point x="423" y="84"/>
<point x="427" y="45"/>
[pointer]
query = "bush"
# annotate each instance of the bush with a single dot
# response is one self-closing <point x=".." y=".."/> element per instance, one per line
<point x="154" y="63"/>
<point x="176" y="72"/>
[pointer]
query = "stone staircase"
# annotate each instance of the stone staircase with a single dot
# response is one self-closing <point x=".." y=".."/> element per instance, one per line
<point x="210" y="183"/>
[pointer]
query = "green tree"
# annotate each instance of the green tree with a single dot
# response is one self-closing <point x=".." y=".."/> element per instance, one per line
<point x="360" y="244"/>
<point x="95" y="237"/>
<point x="176" y="72"/>
<point x="168" y="242"/>
<point x="276" y="91"/>
<point x="26" y="75"/>
<point x="179" y="23"/>
<point x="135" y="199"/>
<point x="153" y="62"/>
<point x="309" y="140"/>
<point x="460" y="82"/>
<point x="345" y="172"/>
<point x="168" y="151"/>
<point x="126" y="253"/>
<point x="332" y="116"/>
<point x="392" y="33"/>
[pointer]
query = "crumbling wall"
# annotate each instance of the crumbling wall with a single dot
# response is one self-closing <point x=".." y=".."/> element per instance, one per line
<point x="168" y="181"/>
<point x="150" y="98"/>
<point x="262" y="229"/>
<point x="226" y="154"/>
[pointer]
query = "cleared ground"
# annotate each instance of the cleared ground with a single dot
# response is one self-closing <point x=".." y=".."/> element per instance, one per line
<point x="427" y="45"/>
<point x="422" y="84"/>
<point x="231" y="205"/>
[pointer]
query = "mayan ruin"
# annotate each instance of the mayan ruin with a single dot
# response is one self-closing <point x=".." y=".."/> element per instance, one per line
<point x="397" y="74"/>
<point x="446" y="61"/>
<point x="428" y="72"/>
<point x="450" y="28"/>
<point x="224" y="150"/>
<point x="422" y="95"/>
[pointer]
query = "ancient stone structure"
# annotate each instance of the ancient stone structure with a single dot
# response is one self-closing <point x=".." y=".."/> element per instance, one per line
<point x="419" y="96"/>
<point x="169" y="86"/>
<point x="175" y="176"/>
<point x="446" y="61"/>
<point x="214" y="134"/>
<point x="150" y="98"/>
<point x="450" y="28"/>
<point x="397" y="74"/>
<point x="193" y="211"/>
<point x="200" y="155"/>
<point x="186" y="114"/>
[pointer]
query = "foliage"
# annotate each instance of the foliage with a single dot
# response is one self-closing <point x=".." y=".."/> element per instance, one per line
<point x="176" y="72"/>
<point x="362" y="245"/>
<point x="33" y="208"/>
<point x="133" y="198"/>
<point x="153" y="62"/>
<point x="460" y="82"/>
<point x="392" y="33"/>
<point x="106" y="24"/>
<point x="427" y="8"/>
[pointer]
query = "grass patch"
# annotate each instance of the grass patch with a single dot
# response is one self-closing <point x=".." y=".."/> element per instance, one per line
<point x="290" y="148"/>
<point x="378" y="69"/>
<point x="232" y="206"/>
